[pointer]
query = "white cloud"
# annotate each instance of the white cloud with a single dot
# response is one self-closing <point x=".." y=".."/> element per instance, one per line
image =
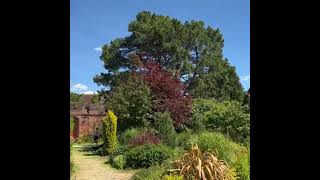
<point x="98" y="49"/>
<point x="79" y="87"/>
<point x="90" y="92"/>
<point x="245" y="78"/>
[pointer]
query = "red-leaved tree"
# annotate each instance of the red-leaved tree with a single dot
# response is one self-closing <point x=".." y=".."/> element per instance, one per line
<point x="169" y="93"/>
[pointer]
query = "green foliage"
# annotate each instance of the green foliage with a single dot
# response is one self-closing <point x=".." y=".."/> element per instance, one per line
<point x="185" y="139"/>
<point x="95" y="99"/>
<point x="163" y="123"/>
<point x="246" y="142"/>
<point x="85" y="139"/>
<point x="110" y="132"/>
<point x="148" y="155"/>
<point x="120" y="150"/>
<point x="71" y="124"/>
<point x="71" y="162"/>
<point x="129" y="134"/>
<point x="101" y="151"/>
<point x="152" y="173"/>
<point x="172" y="177"/>
<point x="75" y="98"/>
<point x="227" y="117"/>
<point x="224" y="148"/>
<point x="242" y="165"/>
<point x="119" y="162"/>
<point x="197" y="122"/>
<point x="131" y="101"/>
<point x="190" y="50"/>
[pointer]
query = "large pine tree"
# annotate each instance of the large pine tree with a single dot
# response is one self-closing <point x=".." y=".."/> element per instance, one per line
<point x="190" y="51"/>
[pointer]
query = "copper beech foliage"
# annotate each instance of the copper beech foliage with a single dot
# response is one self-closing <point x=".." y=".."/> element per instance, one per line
<point x="169" y="93"/>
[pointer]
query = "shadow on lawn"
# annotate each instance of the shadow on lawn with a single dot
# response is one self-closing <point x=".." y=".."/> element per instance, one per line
<point x="89" y="154"/>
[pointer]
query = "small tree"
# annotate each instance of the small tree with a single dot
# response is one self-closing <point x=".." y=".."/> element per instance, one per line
<point x="131" y="100"/>
<point x="169" y="94"/>
<point x="163" y="123"/>
<point x="110" y="132"/>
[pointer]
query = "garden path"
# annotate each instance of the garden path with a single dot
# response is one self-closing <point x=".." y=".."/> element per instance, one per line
<point x="89" y="166"/>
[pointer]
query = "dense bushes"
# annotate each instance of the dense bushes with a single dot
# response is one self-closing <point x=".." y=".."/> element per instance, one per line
<point x="152" y="173"/>
<point x="227" y="117"/>
<point x="144" y="138"/>
<point x="186" y="139"/>
<point x="217" y="143"/>
<point x="130" y="133"/>
<point x="163" y="123"/>
<point x="242" y="165"/>
<point x="110" y="132"/>
<point x="147" y="155"/>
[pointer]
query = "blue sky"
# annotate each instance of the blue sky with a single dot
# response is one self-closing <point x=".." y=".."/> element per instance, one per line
<point x="94" y="23"/>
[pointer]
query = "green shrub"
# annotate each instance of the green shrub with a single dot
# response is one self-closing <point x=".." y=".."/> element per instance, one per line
<point x="128" y="134"/>
<point x="119" y="150"/>
<point x="163" y="123"/>
<point x="152" y="173"/>
<point x="197" y="122"/>
<point x="242" y="165"/>
<point x="148" y="155"/>
<point x="186" y="139"/>
<point x="119" y="162"/>
<point x="220" y="145"/>
<point x="246" y="142"/>
<point x="101" y="151"/>
<point x="172" y="177"/>
<point x="110" y="132"/>
<point x="230" y="118"/>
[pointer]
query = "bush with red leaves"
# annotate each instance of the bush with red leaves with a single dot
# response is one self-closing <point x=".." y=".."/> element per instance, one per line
<point x="144" y="138"/>
<point x="169" y="93"/>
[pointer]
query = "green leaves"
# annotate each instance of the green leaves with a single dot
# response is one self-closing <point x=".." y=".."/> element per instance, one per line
<point x="131" y="101"/>
<point x="188" y="47"/>
<point x="228" y="117"/>
<point x="163" y="123"/>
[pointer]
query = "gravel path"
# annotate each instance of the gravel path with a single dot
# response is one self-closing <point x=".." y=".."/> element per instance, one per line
<point x="92" y="167"/>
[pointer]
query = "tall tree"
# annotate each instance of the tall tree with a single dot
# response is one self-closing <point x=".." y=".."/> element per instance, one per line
<point x="190" y="51"/>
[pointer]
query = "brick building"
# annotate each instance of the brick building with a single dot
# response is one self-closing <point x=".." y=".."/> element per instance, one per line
<point x="87" y="116"/>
